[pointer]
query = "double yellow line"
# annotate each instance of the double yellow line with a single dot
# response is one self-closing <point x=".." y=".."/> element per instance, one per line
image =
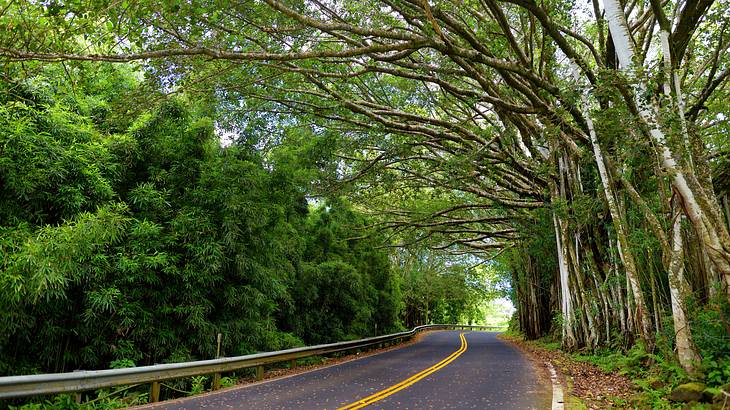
<point x="409" y="381"/>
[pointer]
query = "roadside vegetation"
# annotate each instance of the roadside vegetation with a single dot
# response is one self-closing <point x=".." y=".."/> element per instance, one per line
<point x="620" y="377"/>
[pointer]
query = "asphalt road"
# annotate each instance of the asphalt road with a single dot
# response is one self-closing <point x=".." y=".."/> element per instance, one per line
<point x="439" y="372"/>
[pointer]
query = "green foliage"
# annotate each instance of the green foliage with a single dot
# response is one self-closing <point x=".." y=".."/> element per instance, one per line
<point x="121" y="364"/>
<point x="198" y="385"/>
<point x="439" y="289"/>
<point x="631" y="363"/>
<point x="228" y="381"/>
<point x="710" y="327"/>
<point x="345" y="286"/>
<point x="655" y="373"/>
<point x="659" y="372"/>
<point x="131" y="238"/>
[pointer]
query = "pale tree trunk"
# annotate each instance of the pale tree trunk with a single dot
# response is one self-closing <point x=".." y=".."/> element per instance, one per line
<point x="701" y="210"/>
<point x="678" y="288"/>
<point x="631" y="316"/>
<point x="625" y="252"/>
<point x="590" y="329"/>
<point x="687" y="353"/>
<point x="726" y="205"/>
<point x="534" y="319"/>
<point x="654" y="300"/>
<point x="585" y="323"/>
<point x="619" y="303"/>
<point x="557" y="192"/>
<point x="584" y="297"/>
<point x="613" y="287"/>
<point x="671" y="75"/>
<point x="566" y="305"/>
<point x="604" y="296"/>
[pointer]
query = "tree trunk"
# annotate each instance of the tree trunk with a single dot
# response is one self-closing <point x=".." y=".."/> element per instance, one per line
<point x="686" y="351"/>
<point x="625" y="252"/>
<point x="726" y="207"/>
<point x="698" y="205"/>
<point x="566" y="305"/>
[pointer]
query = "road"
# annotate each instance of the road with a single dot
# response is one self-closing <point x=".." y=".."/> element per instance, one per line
<point x="444" y="370"/>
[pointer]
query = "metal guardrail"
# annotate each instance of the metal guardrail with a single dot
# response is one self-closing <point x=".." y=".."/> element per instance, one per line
<point x="79" y="381"/>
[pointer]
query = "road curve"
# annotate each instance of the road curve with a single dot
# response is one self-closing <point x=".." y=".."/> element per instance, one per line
<point x="441" y="371"/>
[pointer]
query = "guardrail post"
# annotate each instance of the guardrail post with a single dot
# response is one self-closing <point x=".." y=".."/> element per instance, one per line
<point x="155" y="392"/>
<point x="259" y="372"/>
<point x="216" y="382"/>
<point x="293" y="364"/>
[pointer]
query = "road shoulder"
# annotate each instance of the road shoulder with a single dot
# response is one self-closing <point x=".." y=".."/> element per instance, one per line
<point x="585" y="385"/>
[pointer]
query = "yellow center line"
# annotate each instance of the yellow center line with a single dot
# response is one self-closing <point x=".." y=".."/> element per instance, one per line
<point x="409" y="381"/>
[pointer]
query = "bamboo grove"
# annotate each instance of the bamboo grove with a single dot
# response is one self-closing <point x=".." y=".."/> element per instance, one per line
<point x="130" y="235"/>
<point x="581" y="146"/>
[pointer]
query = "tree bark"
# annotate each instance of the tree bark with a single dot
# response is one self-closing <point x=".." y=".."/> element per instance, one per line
<point x="678" y="289"/>
<point x="618" y="220"/>
<point x="698" y="206"/>
<point x="566" y="305"/>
